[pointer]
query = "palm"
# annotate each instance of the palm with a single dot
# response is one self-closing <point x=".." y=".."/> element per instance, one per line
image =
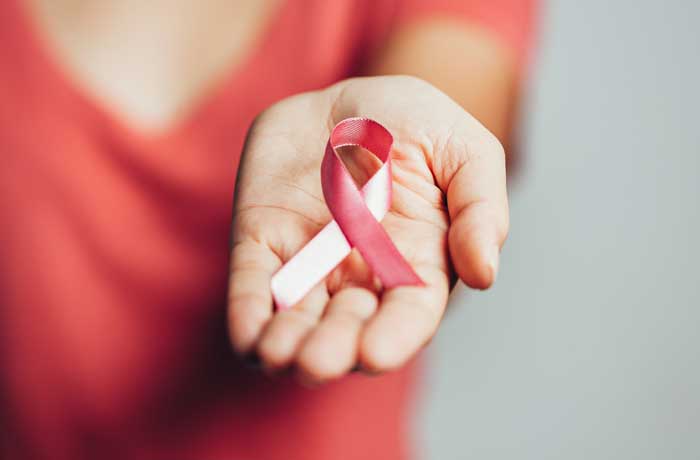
<point x="279" y="207"/>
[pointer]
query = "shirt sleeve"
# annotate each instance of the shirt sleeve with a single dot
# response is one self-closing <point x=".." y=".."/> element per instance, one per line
<point x="512" y="22"/>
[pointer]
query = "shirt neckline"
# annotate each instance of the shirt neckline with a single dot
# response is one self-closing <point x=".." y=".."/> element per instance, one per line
<point x="119" y="123"/>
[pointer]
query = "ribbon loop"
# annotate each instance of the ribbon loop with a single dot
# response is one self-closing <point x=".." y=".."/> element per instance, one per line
<point x="356" y="213"/>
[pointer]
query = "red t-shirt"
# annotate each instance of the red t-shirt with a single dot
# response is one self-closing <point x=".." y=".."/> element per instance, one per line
<point x="113" y="259"/>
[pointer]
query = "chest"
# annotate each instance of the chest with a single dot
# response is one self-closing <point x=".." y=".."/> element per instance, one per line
<point x="151" y="61"/>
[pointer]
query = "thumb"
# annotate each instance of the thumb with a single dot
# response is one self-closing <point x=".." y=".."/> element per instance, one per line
<point x="475" y="184"/>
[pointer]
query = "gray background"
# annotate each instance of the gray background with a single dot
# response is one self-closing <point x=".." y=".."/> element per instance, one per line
<point x="589" y="346"/>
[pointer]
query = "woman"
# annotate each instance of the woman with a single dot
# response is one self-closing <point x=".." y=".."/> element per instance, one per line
<point x="122" y="127"/>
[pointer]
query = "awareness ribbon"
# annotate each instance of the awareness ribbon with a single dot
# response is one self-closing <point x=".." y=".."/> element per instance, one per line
<point x="356" y="213"/>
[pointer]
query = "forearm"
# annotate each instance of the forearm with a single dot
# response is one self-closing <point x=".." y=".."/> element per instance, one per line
<point x="465" y="62"/>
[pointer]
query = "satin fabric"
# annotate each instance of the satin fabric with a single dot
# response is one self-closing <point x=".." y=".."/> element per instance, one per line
<point x="356" y="214"/>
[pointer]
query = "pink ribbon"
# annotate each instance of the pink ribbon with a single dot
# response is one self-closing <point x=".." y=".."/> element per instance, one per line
<point x="356" y="214"/>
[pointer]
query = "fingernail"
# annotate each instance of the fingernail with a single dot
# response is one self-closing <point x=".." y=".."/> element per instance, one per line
<point x="307" y="381"/>
<point x="367" y="370"/>
<point x="494" y="257"/>
<point x="252" y="361"/>
<point x="274" y="372"/>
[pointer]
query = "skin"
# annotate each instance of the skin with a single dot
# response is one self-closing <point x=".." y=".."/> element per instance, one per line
<point x="449" y="216"/>
<point x="462" y="60"/>
<point x="449" y="210"/>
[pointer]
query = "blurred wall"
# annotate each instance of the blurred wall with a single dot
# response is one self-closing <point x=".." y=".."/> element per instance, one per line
<point x="589" y="346"/>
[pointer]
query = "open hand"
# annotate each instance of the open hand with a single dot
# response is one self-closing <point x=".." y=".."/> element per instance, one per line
<point x="449" y="214"/>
